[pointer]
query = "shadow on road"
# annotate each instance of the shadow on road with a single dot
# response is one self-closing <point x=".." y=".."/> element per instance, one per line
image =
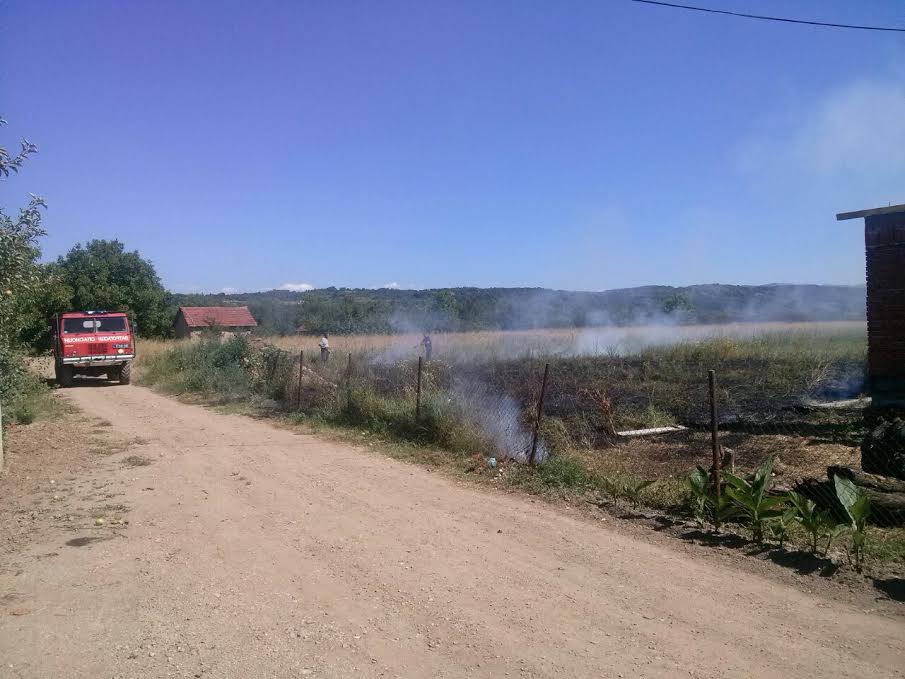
<point x="894" y="588"/>
<point x="804" y="563"/>
<point x="80" y="382"/>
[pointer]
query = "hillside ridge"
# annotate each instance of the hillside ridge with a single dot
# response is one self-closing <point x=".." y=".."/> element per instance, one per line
<point x="383" y="310"/>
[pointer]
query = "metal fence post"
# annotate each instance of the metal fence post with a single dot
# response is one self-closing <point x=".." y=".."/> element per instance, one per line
<point x="418" y="394"/>
<point x="540" y="414"/>
<point x="715" y="444"/>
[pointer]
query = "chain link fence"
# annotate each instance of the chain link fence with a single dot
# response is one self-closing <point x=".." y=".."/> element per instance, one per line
<point x="645" y="416"/>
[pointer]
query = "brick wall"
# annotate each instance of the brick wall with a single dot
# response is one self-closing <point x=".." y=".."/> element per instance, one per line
<point x="884" y="237"/>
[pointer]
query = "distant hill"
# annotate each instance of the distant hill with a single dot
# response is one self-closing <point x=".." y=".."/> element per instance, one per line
<point x="343" y="310"/>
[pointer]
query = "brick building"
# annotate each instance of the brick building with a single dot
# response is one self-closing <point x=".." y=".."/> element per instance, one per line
<point x="884" y="240"/>
<point x="191" y="321"/>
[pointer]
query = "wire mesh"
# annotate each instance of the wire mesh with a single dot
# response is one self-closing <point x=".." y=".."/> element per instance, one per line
<point x="809" y="420"/>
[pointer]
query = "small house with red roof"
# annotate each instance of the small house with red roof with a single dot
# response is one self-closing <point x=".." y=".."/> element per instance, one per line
<point x="191" y="321"/>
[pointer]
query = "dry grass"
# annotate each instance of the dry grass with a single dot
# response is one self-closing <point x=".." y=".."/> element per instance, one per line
<point x="489" y="345"/>
<point x="146" y="350"/>
<point x="565" y="341"/>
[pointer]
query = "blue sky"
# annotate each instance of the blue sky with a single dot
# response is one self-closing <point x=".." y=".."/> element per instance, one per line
<point x="577" y="145"/>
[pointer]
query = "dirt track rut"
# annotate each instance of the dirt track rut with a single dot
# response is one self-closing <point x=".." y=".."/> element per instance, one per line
<point x="254" y="551"/>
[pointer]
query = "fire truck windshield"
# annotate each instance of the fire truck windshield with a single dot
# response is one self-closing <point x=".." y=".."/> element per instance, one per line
<point x="100" y="324"/>
<point x="111" y="324"/>
<point x="74" y="325"/>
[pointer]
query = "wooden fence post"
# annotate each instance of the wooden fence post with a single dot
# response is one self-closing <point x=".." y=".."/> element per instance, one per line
<point x="540" y="414"/>
<point x="418" y="394"/>
<point x="1" y="437"/>
<point x="715" y="445"/>
<point x="273" y="367"/>
<point x="298" y="390"/>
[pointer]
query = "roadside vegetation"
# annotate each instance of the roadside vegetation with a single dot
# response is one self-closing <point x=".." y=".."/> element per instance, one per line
<point x="100" y="274"/>
<point x="21" y="284"/>
<point x="370" y="398"/>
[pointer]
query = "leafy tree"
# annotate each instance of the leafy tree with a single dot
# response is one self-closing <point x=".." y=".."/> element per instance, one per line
<point x="678" y="304"/>
<point x="12" y="163"/>
<point x="20" y="274"/>
<point x="19" y="269"/>
<point x="102" y="275"/>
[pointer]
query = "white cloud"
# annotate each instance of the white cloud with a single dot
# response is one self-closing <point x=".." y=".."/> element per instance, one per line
<point x="849" y="140"/>
<point x="394" y="285"/>
<point x="858" y="128"/>
<point x="296" y="287"/>
<point x="228" y="290"/>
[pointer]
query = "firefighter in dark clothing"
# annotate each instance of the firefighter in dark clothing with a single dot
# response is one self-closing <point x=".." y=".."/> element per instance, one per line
<point x="428" y="347"/>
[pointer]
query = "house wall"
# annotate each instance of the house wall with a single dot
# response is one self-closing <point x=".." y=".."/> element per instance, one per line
<point x="183" y="331"/>
<point x="884" y="237"/>
<point x="181" y="328"/>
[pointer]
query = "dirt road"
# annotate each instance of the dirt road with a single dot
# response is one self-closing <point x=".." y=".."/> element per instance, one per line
<point x="253" y="551"/>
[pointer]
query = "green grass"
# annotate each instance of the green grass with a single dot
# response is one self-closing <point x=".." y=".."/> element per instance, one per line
<point x="210" y="368"/>
<point x="31" y="401"/>
<point x="886" y="545"/>
<point x="559" y="475"/>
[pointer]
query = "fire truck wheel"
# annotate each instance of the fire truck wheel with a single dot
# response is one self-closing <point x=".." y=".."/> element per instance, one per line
<point x="125" y="374"/>
<point x="64" y="375"/>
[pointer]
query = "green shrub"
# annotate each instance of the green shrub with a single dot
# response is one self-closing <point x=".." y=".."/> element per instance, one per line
<point x="211" y="367"/>
<point x="817" y="523"/>
<point x="750" y="498"/>
<point x="705" y="505"/>
<point x="779" y="526"/>
<point x="624" y="486"/>
<point x="857" y="507"/>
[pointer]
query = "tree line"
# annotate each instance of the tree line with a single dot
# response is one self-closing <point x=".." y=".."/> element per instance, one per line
<point x="339" y="310"/>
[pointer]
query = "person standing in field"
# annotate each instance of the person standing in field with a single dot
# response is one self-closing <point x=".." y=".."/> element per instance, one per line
<point x="428" y="347"/>
<point x="324" y="344"/>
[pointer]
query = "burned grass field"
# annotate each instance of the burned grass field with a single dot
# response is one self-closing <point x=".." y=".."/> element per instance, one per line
<point x="475" y="411"/>
<point x="479" y="392"/>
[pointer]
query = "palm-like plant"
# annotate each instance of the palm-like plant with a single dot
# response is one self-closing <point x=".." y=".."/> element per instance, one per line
<point x="706" y="505"/>
<point x="751" y="499"/>
<point x="698" y="483"/>
<point x="857" y="506"/>
<point x="816" y="522"/>
<point x="779" y="527"/>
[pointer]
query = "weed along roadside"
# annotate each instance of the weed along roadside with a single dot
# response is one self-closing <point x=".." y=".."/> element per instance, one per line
<point x="482" y="420"/>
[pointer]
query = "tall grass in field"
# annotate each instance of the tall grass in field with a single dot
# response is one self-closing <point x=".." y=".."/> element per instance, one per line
<point x="495" y="375"/>
<point x="571" y="342"/>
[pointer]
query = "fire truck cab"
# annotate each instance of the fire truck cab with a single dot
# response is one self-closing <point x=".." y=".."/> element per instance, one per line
<point x="92" y="343"/>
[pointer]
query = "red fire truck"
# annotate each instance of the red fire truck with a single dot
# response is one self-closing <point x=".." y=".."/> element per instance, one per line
<point x="92" y="343"/>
